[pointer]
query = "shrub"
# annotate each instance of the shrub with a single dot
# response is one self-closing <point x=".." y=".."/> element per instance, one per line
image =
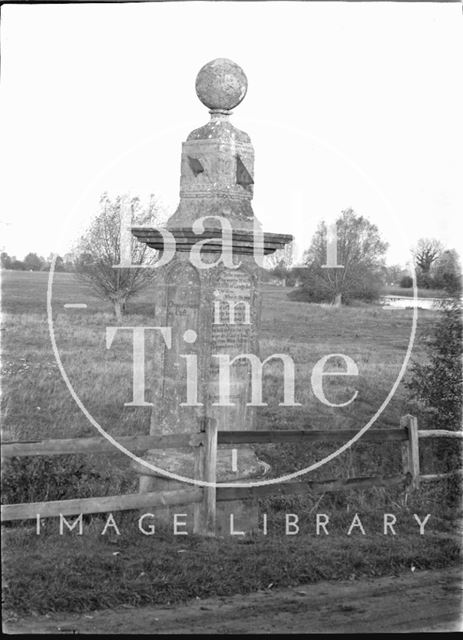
<point x="44" y="478"/>
<point x="436" y="386"/>
<point x="62" y="477"/>
<point x="406" y="282"/>
<point x="424" y="280"/>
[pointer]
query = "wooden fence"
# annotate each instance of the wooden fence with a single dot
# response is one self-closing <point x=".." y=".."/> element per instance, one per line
<point x="205" y="443"/>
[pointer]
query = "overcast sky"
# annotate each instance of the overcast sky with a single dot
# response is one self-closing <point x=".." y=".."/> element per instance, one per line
<point x="349" y="105"/>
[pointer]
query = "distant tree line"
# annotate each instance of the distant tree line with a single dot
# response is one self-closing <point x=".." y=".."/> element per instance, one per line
<point x="364" y="275"/>
<point x="34" y="262"/>
<point x="360" y="272"/>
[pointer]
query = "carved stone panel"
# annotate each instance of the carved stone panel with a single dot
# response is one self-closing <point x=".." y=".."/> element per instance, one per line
<point x="233" y="334"/>
<point x="182" y="314"/>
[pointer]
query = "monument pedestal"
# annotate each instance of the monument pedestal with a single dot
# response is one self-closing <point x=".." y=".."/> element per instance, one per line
<point x="233" y="517"/>
<point x="209" y="299"/>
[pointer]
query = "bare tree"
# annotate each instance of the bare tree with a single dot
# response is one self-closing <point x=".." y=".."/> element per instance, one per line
<point x="99" y="252"/>
<point x="282" y="257"/>
<point x="427" y="251"/>
<point x="279" y="262"/>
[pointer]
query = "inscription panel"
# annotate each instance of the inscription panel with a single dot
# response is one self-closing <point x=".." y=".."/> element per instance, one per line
<point x="233" y="333"/>
<point x="232" y="329"/>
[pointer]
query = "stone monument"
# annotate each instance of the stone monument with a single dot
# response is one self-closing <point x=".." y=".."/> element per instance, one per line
<point x="212" y="310"/>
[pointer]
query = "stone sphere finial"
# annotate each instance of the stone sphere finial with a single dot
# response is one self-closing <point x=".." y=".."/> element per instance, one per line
<point x="221" y="85"/>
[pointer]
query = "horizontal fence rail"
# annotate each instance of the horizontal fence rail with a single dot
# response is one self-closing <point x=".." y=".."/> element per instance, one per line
<point x="440" y="476"/>
<point x="308" y="488"/>
<point x="30" y="511"/>
<point x="440" y="433"/>
<point x="338" y="435"/>
<point x="99" y="445"/>
<point x="142" y="443"/>
<point x="205" y="442"/>
<point x="101" y="505"/>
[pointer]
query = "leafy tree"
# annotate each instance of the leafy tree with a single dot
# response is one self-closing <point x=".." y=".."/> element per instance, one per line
<point x="59" y="264"/>
<point x="361" y="252"/>
<point x="406" y="282"/>
<point x="32" y="262"/>
<point x="393" y="274"/>
<point x="68" y="262"/>
<point x="6" y="260"/>
<point x="17" y="265"/>
<point x="99" y="250"/>
<point x="446" y="272"/>
<point x="435" y="385"/>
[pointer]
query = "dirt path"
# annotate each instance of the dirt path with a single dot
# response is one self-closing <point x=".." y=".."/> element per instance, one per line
<point x="421" y="601"/>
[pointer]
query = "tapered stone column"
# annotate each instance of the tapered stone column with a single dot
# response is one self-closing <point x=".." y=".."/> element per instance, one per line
<point x="211" y="311"/>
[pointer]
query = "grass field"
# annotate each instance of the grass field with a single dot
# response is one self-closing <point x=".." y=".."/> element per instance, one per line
<point x="375" y="338"/>
<point x="36" y="403"/>
<point x="50" y="572"/>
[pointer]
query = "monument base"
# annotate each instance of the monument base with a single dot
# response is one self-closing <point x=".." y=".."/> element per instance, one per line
<point x="233" y="517"/>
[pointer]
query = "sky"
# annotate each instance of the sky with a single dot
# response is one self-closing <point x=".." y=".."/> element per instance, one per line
<point x="349" y="105"/>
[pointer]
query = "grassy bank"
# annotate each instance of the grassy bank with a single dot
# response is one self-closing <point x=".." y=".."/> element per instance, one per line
<point x="80" y="573"/>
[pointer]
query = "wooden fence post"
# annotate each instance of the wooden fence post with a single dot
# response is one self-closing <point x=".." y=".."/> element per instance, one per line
<point x="205" y="469"/>
<point x="198" y="518"/>
<point x="411" y="450"/>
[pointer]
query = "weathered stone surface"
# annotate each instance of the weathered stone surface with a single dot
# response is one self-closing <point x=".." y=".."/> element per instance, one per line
<point x="185" y="239"/>
<point x="221" y="84"/>
<point x="220" y="129"/>
<point x="219" y="304"/>
<point x="181" y="462"/>
<point x="216" y="191"/>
